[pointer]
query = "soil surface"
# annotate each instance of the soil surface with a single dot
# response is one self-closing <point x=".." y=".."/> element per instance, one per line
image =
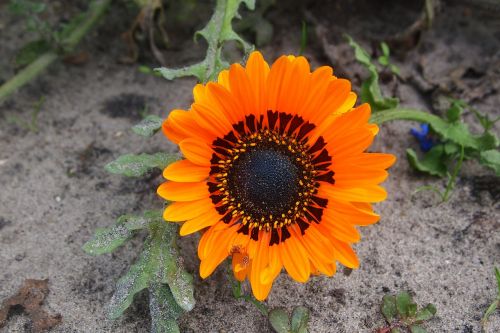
<point x="54" y="191"/>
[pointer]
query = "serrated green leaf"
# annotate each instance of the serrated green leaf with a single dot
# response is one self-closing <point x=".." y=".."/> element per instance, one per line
<point x="136" y="279"/>
<point x="426" y="313"/>
<point x="388" y="308"/>
<point x="491" y="159"/>
<point x="131" y="165"/>
<point x="163" y="309"/>
<point x="170" y="268"/>
<point x="279" y="320"/>
<point x="148" y="126"/>
<point x="403" y="302"/>
<point x="31" y="51"/>
<point x="300" y="318"/>
<point x="417" y="329"/>
<point x="217" y="31"/>
<point x="432" y="162"/>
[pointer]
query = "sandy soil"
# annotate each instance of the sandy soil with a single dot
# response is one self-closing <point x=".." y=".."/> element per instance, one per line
<point x="54" y="192"/>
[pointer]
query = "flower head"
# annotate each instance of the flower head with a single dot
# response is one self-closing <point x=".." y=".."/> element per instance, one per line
<point x="275" y="171"/>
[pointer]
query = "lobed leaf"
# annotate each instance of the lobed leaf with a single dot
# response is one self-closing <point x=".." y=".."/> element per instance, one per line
<point x="163" y="309"/>
<point x="136" y="279"/>
<point x="131" y="165"/>
<point x="148" y="126"/>
<point x="432" y="162"/>
<point x="279" y="320"/>
<point x="300" y="318"/>
<point x="170" y="268"/>
<point x="217" y="31"/>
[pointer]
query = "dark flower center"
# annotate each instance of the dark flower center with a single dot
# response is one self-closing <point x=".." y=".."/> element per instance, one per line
<point x="265" y="180"/>
<point x="265" y="174"/>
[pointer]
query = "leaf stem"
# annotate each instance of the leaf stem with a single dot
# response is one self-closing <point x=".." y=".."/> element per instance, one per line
<point x="96" y="10"/>
<point x="405" y="114"/>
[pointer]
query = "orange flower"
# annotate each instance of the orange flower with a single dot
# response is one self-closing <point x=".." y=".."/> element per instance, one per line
<point x="275" y="171"/>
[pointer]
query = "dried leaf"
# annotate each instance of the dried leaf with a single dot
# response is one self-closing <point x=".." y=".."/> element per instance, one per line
<point x="30" y="298"/>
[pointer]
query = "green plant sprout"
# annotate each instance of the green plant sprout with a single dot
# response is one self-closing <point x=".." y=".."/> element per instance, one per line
<point x="303" y="38"/>
<point x="278" y="317"/>
<point x="218" y="31"/>
<point x="41" y="53"/>
<point x="455" y="142"/>
<point x="402" y="314"/>
<point x="384" y="59"/>
<point x="493" y="306"/>
<point x="32" y="124"/>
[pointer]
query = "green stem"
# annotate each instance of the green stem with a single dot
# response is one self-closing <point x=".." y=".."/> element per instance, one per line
<point x="456" y="170"/>
<point x="405" y="114"/>
<point x="259" y="305"/>
<point x="27" y="74"/>
<point x="43" y="61"/>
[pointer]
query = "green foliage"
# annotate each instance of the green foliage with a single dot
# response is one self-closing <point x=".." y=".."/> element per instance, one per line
<point x="218" y="31"/>
<point x="158" y="269"/>
<point x="432" y="163"/>
<point x="280" y="320"/>
<point x="164" y="310"/>
<point x="384" y="59"/>
<point x="31" y="51"/>
<point x="256" y="23"/>
<point x="303" y="38"/>
<point x="496" y="303"/>
<point x="148" y="126"/>
<point x="106" y="240"/>
<point x="131" y="165"/>
<point x="370" y="89"/>
<point x="400" y="312"/>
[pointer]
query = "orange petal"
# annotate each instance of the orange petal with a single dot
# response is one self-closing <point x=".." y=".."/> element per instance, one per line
<point x="335" y="227"/>
<point x="355" y="142"/>
<point x="218" y="253"/>
<point x="212" y="120"/>
<point x="355" y="176"/>
<point x="318" y="247"/>
<point x="181" y="124"/>
<point x="367" y="193"/>
<point x="336" y="95"/>
<point x="186" y="171"/>
<point x="226" y="102"/>
<point x="275" y="80"/>
<point x="345" y="254"/>
<point x="295" y="259"/>
<point x="196" y="151"/>
<point x="201" y="222"/>
<point x="272" y="271"/>
<point x="259" y="262"/>
<point x="369" y="160"/>
<point x="174" y="191"/>
<point x="347" y="212"/>
<point x="257" y="70"/>
<point x="295" y="86"/>
<point x="241" y="87"/>
<point x="183" y="211"/>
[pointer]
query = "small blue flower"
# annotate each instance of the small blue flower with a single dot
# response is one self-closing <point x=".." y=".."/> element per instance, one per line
<point x="423" y="137"/>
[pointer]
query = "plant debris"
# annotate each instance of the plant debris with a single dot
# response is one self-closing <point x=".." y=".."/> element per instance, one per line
<point x="30" y="298"/>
